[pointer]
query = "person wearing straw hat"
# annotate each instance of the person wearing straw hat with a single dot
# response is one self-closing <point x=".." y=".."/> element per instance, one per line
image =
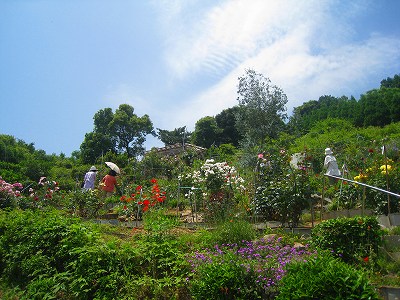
<point x="331" y="165"/>
<point x="90" y="178"/>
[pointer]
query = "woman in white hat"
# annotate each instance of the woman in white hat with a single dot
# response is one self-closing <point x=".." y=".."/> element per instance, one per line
<point x="331" y="165"/>
<point x="90" y="178"/>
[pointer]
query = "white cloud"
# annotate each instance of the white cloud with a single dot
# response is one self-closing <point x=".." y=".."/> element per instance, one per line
<point x="304" y="47"/>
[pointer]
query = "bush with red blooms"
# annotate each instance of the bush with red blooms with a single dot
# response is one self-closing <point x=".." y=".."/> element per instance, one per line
<point x="141" y="199"/>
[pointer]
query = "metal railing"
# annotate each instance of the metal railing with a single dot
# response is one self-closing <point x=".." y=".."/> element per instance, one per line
<point x="364" y="184"/>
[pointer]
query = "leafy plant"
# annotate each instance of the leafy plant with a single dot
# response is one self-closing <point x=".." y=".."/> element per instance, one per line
<point x="354" y="240"/>
<point x="247" y="271"/>
<point x="324" y="277"/>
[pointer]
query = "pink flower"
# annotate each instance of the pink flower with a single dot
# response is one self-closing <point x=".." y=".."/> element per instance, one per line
<point x="260" y="155"/>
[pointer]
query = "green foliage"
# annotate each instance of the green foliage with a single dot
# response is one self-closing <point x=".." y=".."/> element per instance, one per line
<point x="226" y="121"/>
<point x="206" y="132"/>
<point x="391" y="82"/>
<point x="234" y="231"/>
<point x="222" y="280"/>
<point x="52" y="256"/>
<point x="86" y="204"/>
<point x="311" y="112"/>
<point x="325" y="277"/>
<point x="176" y="136"/>
<point x="282" y="191"/>
<point x="355" y="240"/>
<point x="262" y="108"/>
<point x="36" y="243"/>
<point x="122" y="131"/>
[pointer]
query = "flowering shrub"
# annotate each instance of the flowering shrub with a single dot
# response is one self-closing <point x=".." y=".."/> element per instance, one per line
<point x="43" y="195"/>
<point x="385" y="174"/>
<point x="216" y="183"/>
<point x="215" y="177"/>
<point x="251" y="271"/>
<point x="140" y="200"/>
<point x="8" y="192"/>
<point x="282" y="190"/>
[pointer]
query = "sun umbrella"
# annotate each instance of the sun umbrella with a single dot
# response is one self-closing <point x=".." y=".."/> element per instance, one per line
<point x="113" y="167"/>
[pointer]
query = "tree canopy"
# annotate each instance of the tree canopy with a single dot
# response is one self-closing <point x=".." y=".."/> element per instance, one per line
<point x="262" y="108"/>
<point x="119" y="132"/>
<point x="178" y="135"/>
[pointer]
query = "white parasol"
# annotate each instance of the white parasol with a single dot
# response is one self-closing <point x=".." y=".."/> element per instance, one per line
<point x="113" y="167"/>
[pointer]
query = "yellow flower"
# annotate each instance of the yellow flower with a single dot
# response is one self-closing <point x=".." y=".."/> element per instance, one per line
<point x="383" y="167"/>
<point x="360" y="177"/>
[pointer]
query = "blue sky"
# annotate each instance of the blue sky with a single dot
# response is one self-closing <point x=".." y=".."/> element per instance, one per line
<point x="179" y="60"/>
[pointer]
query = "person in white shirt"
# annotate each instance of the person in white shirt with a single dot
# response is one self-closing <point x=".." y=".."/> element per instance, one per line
<point x="331" y="165"/>
<point x="90" y="178"/>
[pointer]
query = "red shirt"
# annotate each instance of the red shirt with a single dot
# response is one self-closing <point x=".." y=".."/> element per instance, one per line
<point x="109" y="183"/>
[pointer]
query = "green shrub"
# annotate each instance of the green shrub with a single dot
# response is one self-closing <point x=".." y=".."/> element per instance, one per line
<point x="234" y="232"/>
<point x="84" y="203"/>
<point x="32" y="243"/>
<point x="324" y="277"/>
<point x="221" y="280"/>
<point x="355" y="239"/>
<point x="247" y="271"/>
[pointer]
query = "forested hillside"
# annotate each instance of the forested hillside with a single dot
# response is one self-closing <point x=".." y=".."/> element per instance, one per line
<point x="374" y="116"/>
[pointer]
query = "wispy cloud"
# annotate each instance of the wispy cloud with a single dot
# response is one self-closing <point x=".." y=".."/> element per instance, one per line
<point x="305" y="47"/>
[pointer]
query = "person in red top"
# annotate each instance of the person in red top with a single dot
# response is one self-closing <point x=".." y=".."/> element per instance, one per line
<point x="108" y="183"/>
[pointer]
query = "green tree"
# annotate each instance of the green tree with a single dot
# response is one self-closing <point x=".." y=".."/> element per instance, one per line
<point x="227" y="123"/>
<point x="206" y="132"/>
<point x="391" y="82"/>
<point x="94" y="146"/>
<point x="375" y="108"/>
<point x="304" y="117"/>
<point x="262" y="108"/>
<point x="129" y="131"/>
<point x="119" y="132"/>
<point x="178" y="135"/>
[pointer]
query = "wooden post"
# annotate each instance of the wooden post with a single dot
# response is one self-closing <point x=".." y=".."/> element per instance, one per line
<point x="387" y="177"/>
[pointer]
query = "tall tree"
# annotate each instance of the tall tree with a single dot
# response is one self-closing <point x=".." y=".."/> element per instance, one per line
<point x="227" y="123"/>
<point x="380" y="107"/>
<point x="391" y="82"/>
<point x="262" y="108"/>
<point x="178" y="135"/>
<point x="95" y="145"/>
<point x="129" y="130"/>
<point x="122" y="131"/>
<point x="206" y="132"/>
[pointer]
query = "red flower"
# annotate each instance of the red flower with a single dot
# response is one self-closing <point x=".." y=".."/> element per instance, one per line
<point x="146" y="202"/>
<point x="139" y="187"/>
<point x="145" y="208"/>
<point x="371" y="150"/>
<point x="153" y="181"/>
<point x="122" y="198"/>
<point x="366" y="259"/>
<point x="125" y="207"/>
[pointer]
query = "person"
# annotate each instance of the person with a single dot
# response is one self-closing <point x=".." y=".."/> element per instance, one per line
<point x="331" y="165"/>
<point x="89" y="179"/>
<point x="108" y="183"/>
